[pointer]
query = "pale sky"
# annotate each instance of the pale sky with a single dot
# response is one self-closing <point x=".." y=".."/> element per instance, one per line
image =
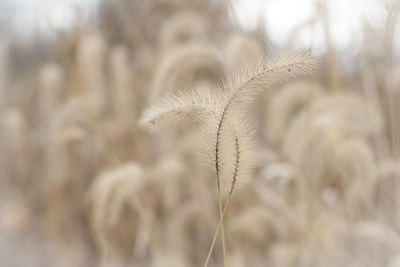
<point x="280" y="17"/>
<point x="26" y="16"/>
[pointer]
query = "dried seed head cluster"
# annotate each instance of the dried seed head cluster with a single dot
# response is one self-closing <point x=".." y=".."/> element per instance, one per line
<point x="124" y="141"/>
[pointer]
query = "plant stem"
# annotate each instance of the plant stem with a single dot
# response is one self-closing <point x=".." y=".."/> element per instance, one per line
<point x="221" y="214"/>
<point x="220" y="225"/>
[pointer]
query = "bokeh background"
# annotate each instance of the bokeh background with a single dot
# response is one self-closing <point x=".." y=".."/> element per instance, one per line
<point x="82" y="185"/>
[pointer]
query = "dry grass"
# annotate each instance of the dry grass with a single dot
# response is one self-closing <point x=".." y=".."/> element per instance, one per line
<point x="164" y="135"/>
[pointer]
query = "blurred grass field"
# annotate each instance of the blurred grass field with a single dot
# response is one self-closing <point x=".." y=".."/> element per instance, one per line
<point x="81" y="184"/>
